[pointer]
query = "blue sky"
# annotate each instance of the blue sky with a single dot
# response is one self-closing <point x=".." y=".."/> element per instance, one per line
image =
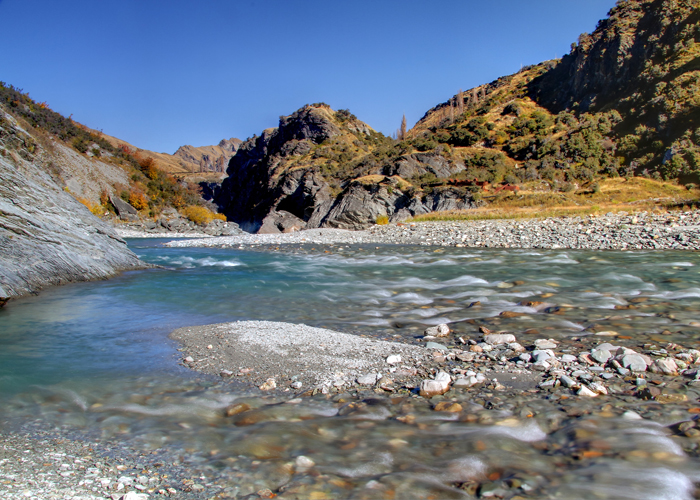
<point x="163" y="73"/>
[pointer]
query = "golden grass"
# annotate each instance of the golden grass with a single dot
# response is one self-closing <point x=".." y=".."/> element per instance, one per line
<point x="615" y="195"/>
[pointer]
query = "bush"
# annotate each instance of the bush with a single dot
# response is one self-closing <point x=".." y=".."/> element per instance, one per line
<point x="382" y="220"/>
<point x="200" y="215"/>
<point x="138" y="200"/>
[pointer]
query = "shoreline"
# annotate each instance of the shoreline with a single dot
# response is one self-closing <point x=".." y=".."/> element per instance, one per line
<point x="621" y="231"/>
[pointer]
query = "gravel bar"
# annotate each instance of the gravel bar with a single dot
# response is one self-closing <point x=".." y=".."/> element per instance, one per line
<point x="619" y="231"/>
<point x="293" y="355"/>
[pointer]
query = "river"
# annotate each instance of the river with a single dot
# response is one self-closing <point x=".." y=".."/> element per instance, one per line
<point x="95" y="359"/>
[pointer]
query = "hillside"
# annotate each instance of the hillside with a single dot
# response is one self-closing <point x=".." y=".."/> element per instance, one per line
<point x="96" y="168"/>
<point x="625" y="102"/>
<point x="47" y="237"/>
<point x="188" y="162"/>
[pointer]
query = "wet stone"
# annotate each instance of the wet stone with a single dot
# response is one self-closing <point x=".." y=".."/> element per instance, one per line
<point x="601" y="355"/>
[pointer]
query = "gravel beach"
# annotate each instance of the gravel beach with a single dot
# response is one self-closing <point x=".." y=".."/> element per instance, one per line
<point x="620" y="231"/>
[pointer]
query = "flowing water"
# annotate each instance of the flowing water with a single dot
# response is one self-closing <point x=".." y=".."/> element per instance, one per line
<point x="94" y="358"/>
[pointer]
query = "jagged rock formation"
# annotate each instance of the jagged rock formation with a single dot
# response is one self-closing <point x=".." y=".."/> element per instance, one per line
<point x="325" y="169"/>
<point x="46" y="236"/>
<point x="209" y="158"/>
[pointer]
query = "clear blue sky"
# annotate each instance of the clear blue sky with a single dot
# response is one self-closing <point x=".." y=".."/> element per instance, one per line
<point x="163" y="73"/>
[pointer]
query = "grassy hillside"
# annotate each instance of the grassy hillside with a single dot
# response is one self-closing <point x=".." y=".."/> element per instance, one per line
<point x="625" y="102"/>
<point x="150" y="187"/>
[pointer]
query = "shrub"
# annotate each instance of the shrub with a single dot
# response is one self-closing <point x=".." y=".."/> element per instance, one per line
<point x="138" y="200"/>
<point x="198" y="215"/>
<point x="382" y="220"/>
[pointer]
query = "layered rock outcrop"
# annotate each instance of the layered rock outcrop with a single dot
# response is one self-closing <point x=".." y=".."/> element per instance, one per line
<point x="47" y="237"/>
<point x="319" y="169"/>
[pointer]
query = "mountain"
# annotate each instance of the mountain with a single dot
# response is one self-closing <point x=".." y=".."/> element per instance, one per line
<point x="625" y="101"/>
<point x="322" y="167"/>
<point x="209" y="158"/>
<point x="188" y="161"/>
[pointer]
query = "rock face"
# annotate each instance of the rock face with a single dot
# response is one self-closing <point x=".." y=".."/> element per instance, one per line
<point x="208" y="158"/>
<point x="46" y="236"/>
<point x="284" y="172"/>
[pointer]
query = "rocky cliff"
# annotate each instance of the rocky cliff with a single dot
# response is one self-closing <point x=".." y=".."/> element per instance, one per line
<point x="625" y="101"/>
<point x="325" y="168"/>
<point x="46" y="236"/>
<point x="209" y="158"/>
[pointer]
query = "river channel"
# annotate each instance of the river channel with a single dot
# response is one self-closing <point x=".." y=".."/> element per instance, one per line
<point x="93" y="361"/>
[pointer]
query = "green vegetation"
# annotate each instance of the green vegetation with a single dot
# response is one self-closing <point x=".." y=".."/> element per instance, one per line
<point x="150" y="188"/>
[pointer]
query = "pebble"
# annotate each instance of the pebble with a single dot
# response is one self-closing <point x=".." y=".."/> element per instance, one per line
<point x="436" y="387"/>
<point x="585" y="391"/>
<point x="544" y="344"/>
<point x="634" y="362"/>
<point x="438" y="331"/>
<point x="666" y="366"/>
<point x="601" y="355"/>
<point x="499" y="338"/>
<point x="606" y="232"/>
<point x="394" y="359"/>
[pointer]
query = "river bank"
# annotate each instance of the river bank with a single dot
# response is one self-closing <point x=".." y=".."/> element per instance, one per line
<point x="613" y="231"/>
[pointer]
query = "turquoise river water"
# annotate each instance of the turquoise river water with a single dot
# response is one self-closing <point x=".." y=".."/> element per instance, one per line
<point x="95" y="358"/>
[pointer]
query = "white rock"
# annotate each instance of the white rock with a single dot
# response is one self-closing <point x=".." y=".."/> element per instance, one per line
<point x="546" y="344"/>
<point x="568" y="358"/>
<point x="541" y="355"/>
<point x="516" y="347"/>
<point x="268" y="385"/>
<point x="464" y="382"/>
<point x="526" y="356"/>
<point x="132" y="495"/>
<point x="303" y="463"/>
<point x="634" y="362"/>
<point x="630" y="415"/>
<point x="598" y="388"/>
<point x="667" y="366"/>
<point x="369" y="379"/>
<point x="499" y="338"/>
<point x="585" y="391"/>
<point x="189" y="359"/>
<point x="568" y="381"/>
<point x="394" y="359"/>
<point x="438" y="331"/>
<point x="601" y="355"/>
<point x="547" y="384"/>
<point x="541" y="366"/>
<point x="443" y="378"/>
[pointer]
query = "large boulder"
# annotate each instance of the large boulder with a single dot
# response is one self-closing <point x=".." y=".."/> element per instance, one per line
<point x="125" y="211"/>
<point x="281" y="222"/>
